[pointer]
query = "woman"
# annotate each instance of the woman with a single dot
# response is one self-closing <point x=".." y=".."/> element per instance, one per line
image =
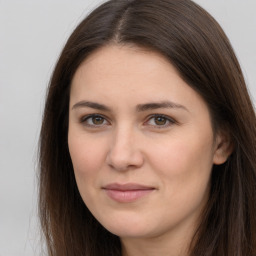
<point x="148" y="138"/>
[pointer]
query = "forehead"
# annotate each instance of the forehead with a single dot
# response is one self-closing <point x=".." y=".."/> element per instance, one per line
<point x="126" y="74"/>
<point x="123" y="60"/>
<point x="125" y="66"/>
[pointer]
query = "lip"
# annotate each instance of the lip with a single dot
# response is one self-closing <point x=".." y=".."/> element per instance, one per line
<point x="126" y="193"/>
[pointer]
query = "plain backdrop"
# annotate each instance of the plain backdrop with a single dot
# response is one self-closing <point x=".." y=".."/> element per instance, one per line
<point x="32" y="34"/>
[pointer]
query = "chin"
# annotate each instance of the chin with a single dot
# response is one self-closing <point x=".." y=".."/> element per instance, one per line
<point x="132" y="228"/>
<point x="131" y="232"/>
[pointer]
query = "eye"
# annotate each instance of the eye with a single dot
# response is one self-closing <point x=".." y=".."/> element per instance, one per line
<point x="160" y="121"/>
<point x="94" y="121"/>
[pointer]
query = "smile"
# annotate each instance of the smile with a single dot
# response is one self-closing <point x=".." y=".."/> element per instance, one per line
<point x="127" y="193"/>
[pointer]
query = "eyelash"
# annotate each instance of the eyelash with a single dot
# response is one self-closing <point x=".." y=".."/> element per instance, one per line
<point x="167" y="119"/>
<point x="170" y="121"/>
<point x="84" y="120"/>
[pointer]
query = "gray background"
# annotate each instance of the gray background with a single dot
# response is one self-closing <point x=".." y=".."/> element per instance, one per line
<point x="32" y="33"/>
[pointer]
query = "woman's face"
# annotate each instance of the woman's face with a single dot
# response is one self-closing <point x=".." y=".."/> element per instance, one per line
<point x="141" y="143"/>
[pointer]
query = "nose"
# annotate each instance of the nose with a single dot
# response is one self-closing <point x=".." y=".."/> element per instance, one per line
<point x="125" y="151"/>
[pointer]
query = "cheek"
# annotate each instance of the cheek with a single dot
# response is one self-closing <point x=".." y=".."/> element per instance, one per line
<point x="184" y="164"/>
<point x="184" y="170"/>
<point x="180" y="156"/>
<point x="87" y="157"/>
<point x="192" y="146"/>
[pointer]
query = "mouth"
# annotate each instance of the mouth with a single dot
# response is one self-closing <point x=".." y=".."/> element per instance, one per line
<point x="126" y="193"/>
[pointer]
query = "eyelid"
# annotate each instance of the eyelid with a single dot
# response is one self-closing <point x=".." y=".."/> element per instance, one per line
<point x="169" y="119"/>
<point x="83" y="120"/>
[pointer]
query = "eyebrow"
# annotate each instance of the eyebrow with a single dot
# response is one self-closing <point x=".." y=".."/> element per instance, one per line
<point x="94" y="105"/>
<point x="157" y="105"/>
<point x="139" y="108"/>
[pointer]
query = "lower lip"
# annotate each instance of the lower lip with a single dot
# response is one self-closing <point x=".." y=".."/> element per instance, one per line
<point x="127" y="196"/>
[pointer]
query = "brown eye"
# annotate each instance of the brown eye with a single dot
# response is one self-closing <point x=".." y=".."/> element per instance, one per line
<point x="97" y="120"/>
<point x="94" y="121"/>
<point x="159" y="120"/>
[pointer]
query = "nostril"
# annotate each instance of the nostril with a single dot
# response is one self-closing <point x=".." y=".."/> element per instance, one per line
<point x="124" y="160"/>
<point x="124" y="151"/>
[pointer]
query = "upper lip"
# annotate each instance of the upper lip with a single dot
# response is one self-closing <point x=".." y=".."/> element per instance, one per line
<point x="127" y="187"/>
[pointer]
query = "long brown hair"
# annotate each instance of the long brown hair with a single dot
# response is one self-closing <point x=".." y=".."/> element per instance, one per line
<point x="200" y="51"/>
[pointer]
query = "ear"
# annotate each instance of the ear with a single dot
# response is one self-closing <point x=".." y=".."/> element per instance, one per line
<point x="223" y="147"/>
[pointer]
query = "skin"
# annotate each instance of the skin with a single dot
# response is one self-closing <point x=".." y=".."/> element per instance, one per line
<point x="173" y="153"/>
